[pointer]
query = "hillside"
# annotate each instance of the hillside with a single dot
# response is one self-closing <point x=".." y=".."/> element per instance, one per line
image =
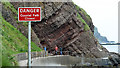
<point x="13" y="42"/>
<point x="100" y="38"/>
<point x="63" y="24"/>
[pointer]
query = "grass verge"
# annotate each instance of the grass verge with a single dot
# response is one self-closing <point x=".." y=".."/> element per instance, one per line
<point x="13" y="42"/>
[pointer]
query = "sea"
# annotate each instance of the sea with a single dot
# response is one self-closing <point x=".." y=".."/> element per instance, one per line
<point x="112" y="48"/>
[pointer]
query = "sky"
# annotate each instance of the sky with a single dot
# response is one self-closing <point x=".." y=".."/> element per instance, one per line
<point x="104" y="14"/>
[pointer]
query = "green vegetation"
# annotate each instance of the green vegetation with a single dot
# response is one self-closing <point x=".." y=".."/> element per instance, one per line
<point x="0" y="53"/>
<point x="0" y="42"/>
<point x="83" y="11"/>
<point x="77" y="7"/>
<point x="10" y="6"/>
<point x="13" y="42"/>
<point x="86" y="27"/>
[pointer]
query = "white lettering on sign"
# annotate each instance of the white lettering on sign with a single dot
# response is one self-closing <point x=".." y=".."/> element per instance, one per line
<point x="29" y="10"/>
<point x="24" y="15"/>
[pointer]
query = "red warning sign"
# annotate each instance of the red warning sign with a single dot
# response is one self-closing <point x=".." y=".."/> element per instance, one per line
<point x="29" y="14"/>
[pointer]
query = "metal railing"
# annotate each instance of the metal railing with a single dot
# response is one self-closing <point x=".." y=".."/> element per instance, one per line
<point x="24" y="56"/>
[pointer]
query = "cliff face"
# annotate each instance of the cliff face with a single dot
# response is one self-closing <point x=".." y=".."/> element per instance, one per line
<point x="64" y="25"/>
<point x="100" y="38"/>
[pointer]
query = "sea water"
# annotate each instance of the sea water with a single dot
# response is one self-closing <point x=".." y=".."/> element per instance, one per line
<point x="112" y="48"/>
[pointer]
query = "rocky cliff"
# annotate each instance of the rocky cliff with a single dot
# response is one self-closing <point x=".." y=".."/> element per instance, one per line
<point x="63" y="24"/>
<point x="100" y="38"/>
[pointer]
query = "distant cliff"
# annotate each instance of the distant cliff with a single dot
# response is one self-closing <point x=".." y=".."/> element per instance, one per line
<point x="101" y="39"/>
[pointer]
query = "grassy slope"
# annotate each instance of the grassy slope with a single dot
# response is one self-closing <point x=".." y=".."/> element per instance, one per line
<point x="86" y="27"/>
<point x="0" y="52"/>
<point x="13" y="42"/>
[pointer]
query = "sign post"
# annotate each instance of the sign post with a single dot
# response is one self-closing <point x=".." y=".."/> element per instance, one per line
<point x="29" y="14"/>
<point x="29" y="44"/>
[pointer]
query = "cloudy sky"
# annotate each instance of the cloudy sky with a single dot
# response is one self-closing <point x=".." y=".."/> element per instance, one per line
<point x="104" y="14"/>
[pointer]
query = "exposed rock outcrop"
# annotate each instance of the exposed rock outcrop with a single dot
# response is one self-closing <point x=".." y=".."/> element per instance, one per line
<point x="115" y="58"/>
<point x="60" y="26"/>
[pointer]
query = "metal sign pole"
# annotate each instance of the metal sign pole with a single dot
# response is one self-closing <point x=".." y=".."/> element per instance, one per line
<point x="29" y="44"/>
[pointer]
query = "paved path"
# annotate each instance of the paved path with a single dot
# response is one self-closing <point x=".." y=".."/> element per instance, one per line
<point x="63" y="60"/>
<point x="58" y="60"/>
